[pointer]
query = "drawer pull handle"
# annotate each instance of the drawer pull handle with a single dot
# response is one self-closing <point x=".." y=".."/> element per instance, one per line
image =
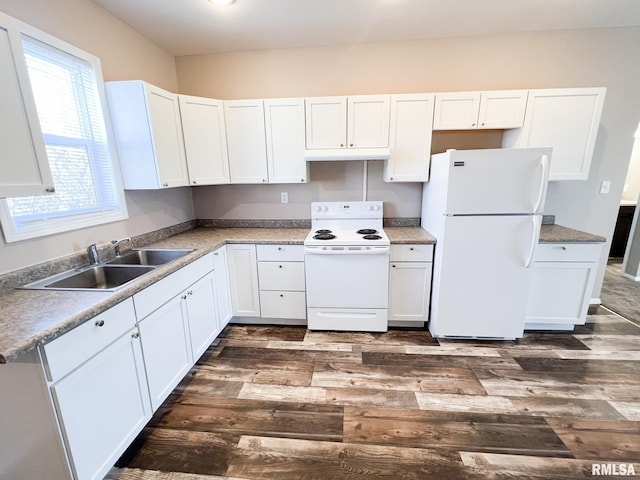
<point x="183" y="297"/>
<point x="190" y="292"/>
<point x="99" y="323"/>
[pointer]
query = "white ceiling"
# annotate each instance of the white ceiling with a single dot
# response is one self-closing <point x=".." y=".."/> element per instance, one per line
<point x="191" y="27"/>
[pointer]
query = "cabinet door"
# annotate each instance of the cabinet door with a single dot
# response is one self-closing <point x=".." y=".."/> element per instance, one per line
<point x="164" y="119"/>
<point x="456" y="111"/>
<point x="205" y="140"/>
<point x="568" y="121"/>
<point x="326" y="122"/>
<point x="560" y="292"/>
<point x="409" y="291"/>
<point x="23" y="161"/>
<point x="502" y="109"/>
<point x="223" y="292"/>
<point x="102" y="406"/>
<point x="243" y="279"/>
<point x="202" y="314"/>
<point x="410" y="138"/>
<point x="284" y="121"/>
<point x="368" y="121"/>
<point x="246" y="141"/>
<point x="167" y="350"/>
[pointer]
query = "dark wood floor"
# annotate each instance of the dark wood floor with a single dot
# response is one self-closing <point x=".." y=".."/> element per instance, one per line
<point x="289" y="404"/>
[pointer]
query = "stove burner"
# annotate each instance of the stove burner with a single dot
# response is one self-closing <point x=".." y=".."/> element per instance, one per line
<point x="367" y="231"/>
<point x="324" y="236"/>
<point x="323" y="230"/>
<point x="372" y="237"/>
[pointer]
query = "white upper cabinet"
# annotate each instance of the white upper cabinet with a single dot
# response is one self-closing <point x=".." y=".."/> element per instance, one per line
<point x="284" y="122"/>
<point x="23" y="161"/>
<point x="148" y="131"/>
<point x="410" y="138"/>
<point x="368" y="121"/>
<point x="471" y="110"/>
<point x="361" y="121"/>
<point x="246" y="141"/>
<point x="205" y="140"/>
<point x="566" y="119"/>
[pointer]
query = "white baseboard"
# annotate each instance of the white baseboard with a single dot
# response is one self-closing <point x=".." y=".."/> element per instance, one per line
<point x="595" y="301"/>
<point x="268" y="321"/>
<point x="630" y="277"/>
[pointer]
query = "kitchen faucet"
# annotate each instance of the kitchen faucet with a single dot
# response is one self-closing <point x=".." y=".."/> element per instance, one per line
<point x="92" y="253"/>
<point x="116" y="244"/>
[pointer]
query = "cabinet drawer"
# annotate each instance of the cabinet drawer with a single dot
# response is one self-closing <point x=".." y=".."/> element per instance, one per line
<point x="281" y="276"/>
<point x="411" y="253"/>
<point x="280" y="253"/>
<point x="281" y="304"/>
<point x="154" y="296"/>
<point x="78" y="345"/>
<point x="568" y="252"/>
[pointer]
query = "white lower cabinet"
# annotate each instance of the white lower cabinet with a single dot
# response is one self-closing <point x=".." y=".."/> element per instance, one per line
<point x="243" y="280"/>
<point x="282" y="282"/>
<point x="99" y="389"/>
<point x="202" y="314"/>
<point x="178" y="331"/>
<point x="410" y="270"/>
<point x="102" y="406"/>
<point x="167" y="349"/>
<point x="563" y="279"/>
<point x="223" y="292"/>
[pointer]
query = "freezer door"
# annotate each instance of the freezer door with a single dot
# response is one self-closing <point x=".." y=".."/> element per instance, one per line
<point x="481" y="279"/>
<point x="502" y="181"/>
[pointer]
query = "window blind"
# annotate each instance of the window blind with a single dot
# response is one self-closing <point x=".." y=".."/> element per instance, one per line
<point x="71" y="118"/>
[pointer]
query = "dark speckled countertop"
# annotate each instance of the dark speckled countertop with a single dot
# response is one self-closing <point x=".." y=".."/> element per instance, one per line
<point x="32" y="317"/>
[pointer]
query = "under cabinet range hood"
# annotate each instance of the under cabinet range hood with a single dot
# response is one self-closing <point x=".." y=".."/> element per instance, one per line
<point x="333" y="154"/>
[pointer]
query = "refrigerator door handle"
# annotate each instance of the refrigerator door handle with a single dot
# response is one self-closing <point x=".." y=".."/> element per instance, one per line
<point x="537" y="222"/>
<point x="544" y="162"/>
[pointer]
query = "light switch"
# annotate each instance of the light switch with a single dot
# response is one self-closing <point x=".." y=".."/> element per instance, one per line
<point x="605" y="186"/>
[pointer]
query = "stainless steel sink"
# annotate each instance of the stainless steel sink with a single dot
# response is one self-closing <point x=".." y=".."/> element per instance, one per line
<point x="150" y="256"/>
<point x="94" y="278"/>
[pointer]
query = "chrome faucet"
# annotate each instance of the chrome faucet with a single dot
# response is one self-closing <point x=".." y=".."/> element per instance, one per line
<point x="116" y="245"/>
<point x="92" y="253"/>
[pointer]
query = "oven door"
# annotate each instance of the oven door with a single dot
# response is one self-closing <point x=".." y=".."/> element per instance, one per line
<point x="347" y="277"/>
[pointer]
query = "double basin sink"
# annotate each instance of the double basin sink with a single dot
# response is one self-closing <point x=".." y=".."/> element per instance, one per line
<point x="110" y="275"/>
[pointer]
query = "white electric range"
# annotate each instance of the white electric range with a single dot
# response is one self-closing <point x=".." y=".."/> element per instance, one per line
<point x="347" y="267"/>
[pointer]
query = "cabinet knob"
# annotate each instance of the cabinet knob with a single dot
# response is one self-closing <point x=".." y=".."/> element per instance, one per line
<point x="302" y="180"/>
<point x="264" y="180"/>
<point x="279" y="266"/>
<point x="165" y="184"/>
<point x="351" y="144"/>
<point x="50" y="190"/>
<point x="281" y="295"/>
<point x="99" y="323"/>
<point x="135" y="335"/>
<point x="411" y="248"/>
<point x="341" y="145"/>
<point x="190" y="292"/>
<point x="194" y="182"/>
<point x="183" y="297"/>
<point x="483" y="124"/>
<point x="390" y="178"/>
<point x="279" y="249"/>
<point x="393" y="266"/>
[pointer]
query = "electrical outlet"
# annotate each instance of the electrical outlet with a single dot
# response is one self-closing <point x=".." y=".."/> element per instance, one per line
<point x="284" y="197"/>
<point x="605" y="186"/>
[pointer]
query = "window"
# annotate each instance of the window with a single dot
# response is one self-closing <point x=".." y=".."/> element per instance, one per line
<point x="68" y="102"/>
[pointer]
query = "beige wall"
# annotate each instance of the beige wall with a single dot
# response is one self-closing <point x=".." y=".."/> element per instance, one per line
<point x="602" y="57"/>
<point x="124" y="54"/>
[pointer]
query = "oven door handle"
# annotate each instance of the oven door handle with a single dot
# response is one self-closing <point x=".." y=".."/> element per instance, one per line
<point x="378" y="250"/>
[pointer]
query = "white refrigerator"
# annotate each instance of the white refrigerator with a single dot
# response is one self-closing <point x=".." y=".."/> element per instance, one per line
<point x="485" y="209"/>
